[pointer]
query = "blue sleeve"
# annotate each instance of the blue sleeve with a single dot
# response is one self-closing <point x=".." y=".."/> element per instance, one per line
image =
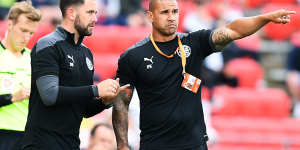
<point x="293" y="62"/>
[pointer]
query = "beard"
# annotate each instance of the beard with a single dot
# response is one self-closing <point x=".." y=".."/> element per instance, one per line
<point x="81" y="29"/>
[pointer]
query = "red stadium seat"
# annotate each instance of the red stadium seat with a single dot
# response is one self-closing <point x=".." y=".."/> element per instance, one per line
<point x="283" y="1"/>
<point x="295" y="39"/>
<point x="242" y="133"/>
<point x="262" y="125"/>
<point x="248" y="72"/>
<point x="252" y="42"/>
<point x="3" y="27"/>
<point x="254" y="3"/>
<point x="250" y="103"/>
<point x="108" y="42"/>
<point x="114" y="39"/>
<point x="106" y="64"/>
<point x="43" y="29"/>
<point x="184" y="8"/>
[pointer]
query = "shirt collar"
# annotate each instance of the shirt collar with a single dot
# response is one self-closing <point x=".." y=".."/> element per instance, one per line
<point x="1" y="44"/>
<point x="69" y="36"/>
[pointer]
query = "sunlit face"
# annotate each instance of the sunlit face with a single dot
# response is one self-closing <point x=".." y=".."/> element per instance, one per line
<point x="20" y="32"/>
<point x="104" y="137"/>
<point x="86" y="18"/>
<point x="165" y="16"/>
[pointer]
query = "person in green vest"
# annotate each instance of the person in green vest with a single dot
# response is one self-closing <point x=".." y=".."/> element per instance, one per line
<point x="15" y="73"/>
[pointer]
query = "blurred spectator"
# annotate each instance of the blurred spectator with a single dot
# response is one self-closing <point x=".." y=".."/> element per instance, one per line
<point x="102" y="138"/>
<point x="123" y="12"/>
<point x="4" y="7"/>
<point x="200" y="19"/>
<point x="109" y="12"/>
<point x="293" y="78"/>
<point x="38" y="3"/>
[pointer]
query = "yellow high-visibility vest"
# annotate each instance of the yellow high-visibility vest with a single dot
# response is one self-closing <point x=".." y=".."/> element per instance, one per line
<point x="14" y="74"/>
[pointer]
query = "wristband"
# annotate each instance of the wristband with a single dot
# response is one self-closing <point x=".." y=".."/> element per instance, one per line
<point x="95" y="91"/>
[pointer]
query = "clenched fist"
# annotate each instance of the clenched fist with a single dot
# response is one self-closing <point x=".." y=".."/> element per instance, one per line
<point x="109" y="89"/>
<point x="20" y="95"/>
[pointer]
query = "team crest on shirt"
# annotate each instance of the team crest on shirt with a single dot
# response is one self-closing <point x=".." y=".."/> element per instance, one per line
<point x="187" y="49"/>
<point x="89" y="63"/>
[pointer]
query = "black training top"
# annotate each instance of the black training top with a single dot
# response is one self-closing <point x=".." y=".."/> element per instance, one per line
<point x="293" y="62"/>
<point x="171" y="117"/>
<point x="57" y="127"/>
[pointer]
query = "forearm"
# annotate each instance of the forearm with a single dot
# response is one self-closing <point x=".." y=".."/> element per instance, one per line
<point x="237" y="29"/>
<point x="53" y="94"/>
<point x="94" y="107"/>
<point x="246" y="26"/>
<point x="120" y="120"/>
<point x="68" y="95"/>
<point x="293" y="83"/>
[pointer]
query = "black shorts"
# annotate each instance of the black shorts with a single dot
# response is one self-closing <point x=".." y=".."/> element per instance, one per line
<point x="10" y="140"/>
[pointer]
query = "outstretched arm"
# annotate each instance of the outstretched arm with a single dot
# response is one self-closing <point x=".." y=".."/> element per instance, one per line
<point x="246" y="26"/>
<point x="120" y="118"/>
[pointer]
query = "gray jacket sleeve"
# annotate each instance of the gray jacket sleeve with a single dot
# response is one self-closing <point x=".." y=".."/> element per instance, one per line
<point x="53" y="94"/>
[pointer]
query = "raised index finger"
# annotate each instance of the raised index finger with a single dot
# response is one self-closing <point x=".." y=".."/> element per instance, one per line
<point x="288" y="12"/>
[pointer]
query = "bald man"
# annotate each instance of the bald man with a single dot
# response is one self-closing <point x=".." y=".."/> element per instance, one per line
<point x="165" y="70"/>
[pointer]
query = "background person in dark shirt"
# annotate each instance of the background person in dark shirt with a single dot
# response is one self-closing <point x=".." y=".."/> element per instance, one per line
<point x="171" y="117"/>
<point x="62" y="90"/>
<point x="102" y="137"/>
<point x="293" y="79"/>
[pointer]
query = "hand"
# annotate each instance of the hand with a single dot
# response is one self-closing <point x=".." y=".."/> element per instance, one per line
<point x="109" y="89"/>
<point x="20" y="95"/>
<point x="280" y="16"/>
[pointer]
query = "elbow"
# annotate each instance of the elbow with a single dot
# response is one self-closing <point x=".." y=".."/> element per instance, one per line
<point x="48" y="101"/>
<point x="48" y="89"/>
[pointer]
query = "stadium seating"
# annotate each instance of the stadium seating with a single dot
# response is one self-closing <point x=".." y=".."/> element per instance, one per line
<point x="108" y="42"/>
<point x="273" y="103"/>
<point x="248" y="72"/>
<point x="252" y="4"/>
<point x="3" y="28"/>
<point x="43" y="29"/>
<point x="295" y="39"/>
<point x="114" y="39"/>
<point x="184" y="8"/>
<point x="283" y="1"/>
<point x="243" y="133"/>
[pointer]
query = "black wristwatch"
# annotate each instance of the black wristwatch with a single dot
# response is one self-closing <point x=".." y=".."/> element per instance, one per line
<point x="6" y="99"/>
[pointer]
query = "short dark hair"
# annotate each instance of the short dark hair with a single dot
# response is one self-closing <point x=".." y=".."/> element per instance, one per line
<point x="64" y="4"/>
<point x="151" y="4"/>
<point x="108" y="126"/>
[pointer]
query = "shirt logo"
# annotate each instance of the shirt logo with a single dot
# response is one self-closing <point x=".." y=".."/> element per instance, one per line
<point x="7" y="84"/>
<point x="187" y="50"/>
<point x="89" y="63"/>
<point x="149" y="60"/>
<point x="72" y="60"/>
